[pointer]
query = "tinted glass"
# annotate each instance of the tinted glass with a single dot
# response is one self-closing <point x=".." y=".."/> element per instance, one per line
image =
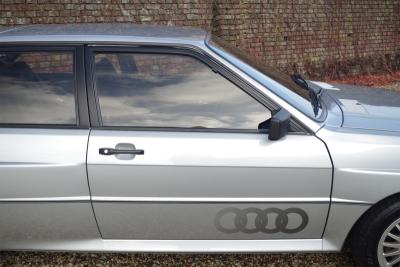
<point x="165" y="90"/>
<point x="37" y="88"/>
<point x="255" y="62"/>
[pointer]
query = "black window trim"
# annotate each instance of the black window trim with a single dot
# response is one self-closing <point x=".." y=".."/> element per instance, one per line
<point x="187" y="50"/>
<point x="80" y="97"/>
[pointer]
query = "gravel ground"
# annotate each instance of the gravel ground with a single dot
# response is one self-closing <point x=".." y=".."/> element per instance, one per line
<point x="130" y="259"/>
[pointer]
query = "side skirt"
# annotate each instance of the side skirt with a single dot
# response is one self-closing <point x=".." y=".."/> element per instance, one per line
<point x="173" y="246"/>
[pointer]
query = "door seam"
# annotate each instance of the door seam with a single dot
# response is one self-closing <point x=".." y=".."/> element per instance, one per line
<point x="90" y="192"/>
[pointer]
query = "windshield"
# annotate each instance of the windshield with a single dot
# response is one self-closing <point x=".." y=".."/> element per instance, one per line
<point x="274" y="74"/>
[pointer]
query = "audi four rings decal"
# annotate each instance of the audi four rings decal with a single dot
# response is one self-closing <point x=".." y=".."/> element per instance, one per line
<point x="241" y="220"/>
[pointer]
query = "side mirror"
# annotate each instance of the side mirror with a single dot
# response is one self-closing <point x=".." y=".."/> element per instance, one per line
<point x="279" y="124"/>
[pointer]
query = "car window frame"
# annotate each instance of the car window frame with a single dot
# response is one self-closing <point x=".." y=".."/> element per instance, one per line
<point x="184" y="50"/>
<point x="80" y="95"/>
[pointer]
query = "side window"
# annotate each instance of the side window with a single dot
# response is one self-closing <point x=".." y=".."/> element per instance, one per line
<point x="169" y="90"/>
<point x="37" y="88"/>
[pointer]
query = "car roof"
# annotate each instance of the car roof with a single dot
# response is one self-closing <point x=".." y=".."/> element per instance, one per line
<point x="101" y="32"/>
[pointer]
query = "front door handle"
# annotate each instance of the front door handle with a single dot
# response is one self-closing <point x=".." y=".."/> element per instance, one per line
<point x="114" y="151"/>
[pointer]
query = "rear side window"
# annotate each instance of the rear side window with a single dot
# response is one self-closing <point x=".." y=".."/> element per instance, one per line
<point x="170" y="90"/>
<point x="37" y="88"/>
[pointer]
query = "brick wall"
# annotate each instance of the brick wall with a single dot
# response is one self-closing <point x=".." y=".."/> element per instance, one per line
<point x="322" y="38"/>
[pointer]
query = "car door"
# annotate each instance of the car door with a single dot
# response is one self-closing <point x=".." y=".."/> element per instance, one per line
<point x="177" y="154"/>
<point x="44" y="194"/>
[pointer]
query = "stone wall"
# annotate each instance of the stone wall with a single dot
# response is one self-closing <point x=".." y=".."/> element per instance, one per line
<point x="322" y="38"/>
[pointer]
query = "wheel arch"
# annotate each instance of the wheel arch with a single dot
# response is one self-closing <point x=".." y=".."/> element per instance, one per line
<point x="366" y="214"/>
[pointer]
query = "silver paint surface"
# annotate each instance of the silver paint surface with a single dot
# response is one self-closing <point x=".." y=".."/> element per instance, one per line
<point x="43" y="163"/>
<point x="369" y="108"/>
<point x="367" y="163"/>
<point x="189" y="246"/>
<point x="58" y="222"/>
<point x="213" y="166"/>
<point x="209" y="165"/>
<point x="50" y="33"/>
<point x="44" y="193"/>
<point x="195" y="221"/>
<point x="340" y="221"/>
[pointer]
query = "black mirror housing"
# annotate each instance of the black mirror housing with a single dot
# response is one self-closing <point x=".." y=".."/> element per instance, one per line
<point x="279" y="125"/>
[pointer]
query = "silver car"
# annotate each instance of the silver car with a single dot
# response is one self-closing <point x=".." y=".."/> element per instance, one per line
<point x="164" y="139"/>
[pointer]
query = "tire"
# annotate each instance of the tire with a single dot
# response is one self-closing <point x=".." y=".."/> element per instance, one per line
<point x="367" y="236"/>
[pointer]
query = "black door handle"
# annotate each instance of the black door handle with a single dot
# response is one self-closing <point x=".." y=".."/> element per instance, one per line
<point x="113" y="151"/>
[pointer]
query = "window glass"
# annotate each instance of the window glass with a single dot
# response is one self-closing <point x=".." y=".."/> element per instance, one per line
<point x="255" y="62"/>
<point x="168" y="90"/>
<point x="37" y="88"/>
<point x="288" y="87"/>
